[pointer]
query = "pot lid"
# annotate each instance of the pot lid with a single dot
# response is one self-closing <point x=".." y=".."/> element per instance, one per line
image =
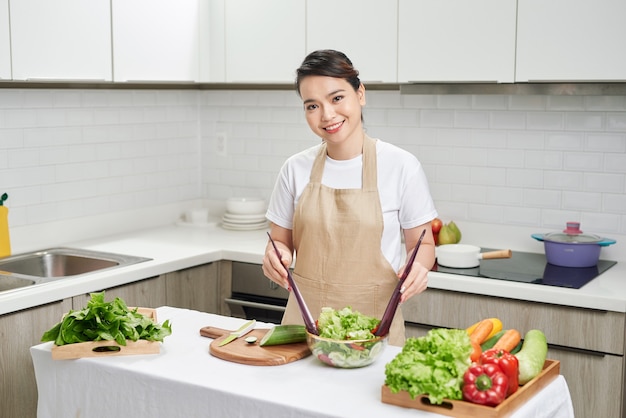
<point x="572" y="235"/>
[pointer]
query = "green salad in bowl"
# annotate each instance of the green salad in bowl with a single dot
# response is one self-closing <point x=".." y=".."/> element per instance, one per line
<point x="346" y="338"/>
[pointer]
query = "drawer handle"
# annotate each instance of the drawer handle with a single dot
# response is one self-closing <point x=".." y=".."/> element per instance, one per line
<point x="248" y="304"/>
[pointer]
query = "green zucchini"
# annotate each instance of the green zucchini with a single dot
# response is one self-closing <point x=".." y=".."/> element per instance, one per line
<point x="493" y="340"/>
<point x="532" y="356"/>
<point x="284" y="334"/>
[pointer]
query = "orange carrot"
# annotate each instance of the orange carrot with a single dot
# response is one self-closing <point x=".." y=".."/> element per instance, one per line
<point x="482" y="331"/>
<point x="476" y="352"/>
<point x="509" y="340"/>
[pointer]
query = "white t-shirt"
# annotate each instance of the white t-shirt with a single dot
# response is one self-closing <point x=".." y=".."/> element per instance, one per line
<point x="402" y="188"/>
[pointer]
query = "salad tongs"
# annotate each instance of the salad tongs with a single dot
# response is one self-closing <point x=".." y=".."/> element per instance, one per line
<point x="309" y="323"/>
<point x="392" y="306"/>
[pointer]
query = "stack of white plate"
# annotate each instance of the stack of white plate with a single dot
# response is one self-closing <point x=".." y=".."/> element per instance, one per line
<point x="244" y="214"/>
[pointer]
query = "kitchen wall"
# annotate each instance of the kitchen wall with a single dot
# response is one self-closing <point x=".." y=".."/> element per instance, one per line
<point x="501" y="166"/>
<point x="495" y="162"/>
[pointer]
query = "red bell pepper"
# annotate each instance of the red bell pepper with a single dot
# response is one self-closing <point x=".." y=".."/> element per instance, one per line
<point x="508" y="364"/>
<point x="485" y="384"/>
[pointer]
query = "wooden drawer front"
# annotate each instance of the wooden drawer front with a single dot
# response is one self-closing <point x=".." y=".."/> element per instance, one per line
<point x="595" y="383"/>
<point x="566" y="326"/>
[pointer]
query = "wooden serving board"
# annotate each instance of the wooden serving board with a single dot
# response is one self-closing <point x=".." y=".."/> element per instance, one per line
<point x="239" y="351"/>
<point x="108" y="348"/>
<point x="463" y="409"/>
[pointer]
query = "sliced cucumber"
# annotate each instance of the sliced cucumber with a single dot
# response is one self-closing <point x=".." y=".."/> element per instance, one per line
<point x="284" y="334"/>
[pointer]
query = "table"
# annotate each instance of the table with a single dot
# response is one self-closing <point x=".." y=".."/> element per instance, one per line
<point x="184" y="380"/>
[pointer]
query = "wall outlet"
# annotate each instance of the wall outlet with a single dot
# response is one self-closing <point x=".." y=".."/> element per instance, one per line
<point x="221" y="143"/>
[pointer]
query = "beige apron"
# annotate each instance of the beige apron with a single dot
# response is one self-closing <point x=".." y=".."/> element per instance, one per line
<point x="337" y="235"/>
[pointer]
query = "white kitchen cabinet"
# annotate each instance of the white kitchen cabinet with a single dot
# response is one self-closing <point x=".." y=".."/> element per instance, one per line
<point x="5" y="41"/>
<point x="159" y="40"/>
<point x="368" y="35"/>
<point x="456" y="41"/>
<point x="265" y="39"/>
<point x="64" y="39"/>
<point x="571" y="40"/>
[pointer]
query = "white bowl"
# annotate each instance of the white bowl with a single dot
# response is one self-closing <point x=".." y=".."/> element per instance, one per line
<point x="245" y="205"/>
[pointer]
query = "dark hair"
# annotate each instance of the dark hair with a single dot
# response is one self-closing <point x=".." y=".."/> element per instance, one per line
<point x="329" y="63"/>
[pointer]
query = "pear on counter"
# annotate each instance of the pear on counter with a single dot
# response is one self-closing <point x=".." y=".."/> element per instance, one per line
<point x="456" y="231"/>
<point x="447" y="235"/>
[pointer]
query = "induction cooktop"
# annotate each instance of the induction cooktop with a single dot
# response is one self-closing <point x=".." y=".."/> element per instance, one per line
<point x="531" y="268"/>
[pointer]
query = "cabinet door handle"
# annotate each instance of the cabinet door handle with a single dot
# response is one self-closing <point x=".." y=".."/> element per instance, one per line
<point x="578" y="350"/>
<point x="66" y="80"/>
<point x="255" y="304"/>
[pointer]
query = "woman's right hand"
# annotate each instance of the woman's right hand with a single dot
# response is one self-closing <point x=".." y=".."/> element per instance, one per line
<point x="273" y="267"/>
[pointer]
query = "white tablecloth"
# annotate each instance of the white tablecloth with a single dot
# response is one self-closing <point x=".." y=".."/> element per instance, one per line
<point x="184" y="380"/>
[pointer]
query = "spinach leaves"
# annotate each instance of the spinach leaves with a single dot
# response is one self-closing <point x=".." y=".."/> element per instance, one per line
<point x="102" y="320"/>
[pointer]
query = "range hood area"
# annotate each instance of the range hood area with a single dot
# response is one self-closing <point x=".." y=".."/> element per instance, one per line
<point x="548" y="89"/>
<point x="532" y="88"/>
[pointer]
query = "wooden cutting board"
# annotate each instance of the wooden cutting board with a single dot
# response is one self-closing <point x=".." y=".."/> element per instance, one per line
<point x="239" y="351"/>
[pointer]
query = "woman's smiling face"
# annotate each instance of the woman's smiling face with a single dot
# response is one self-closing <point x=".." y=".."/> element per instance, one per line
<point x="333" y="108"/>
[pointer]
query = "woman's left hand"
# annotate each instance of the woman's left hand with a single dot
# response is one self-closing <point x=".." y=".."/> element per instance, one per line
<point x="415" y="283"/>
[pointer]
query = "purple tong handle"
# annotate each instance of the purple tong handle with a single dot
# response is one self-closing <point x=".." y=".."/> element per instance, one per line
<point x="385" y="323"/>
<point x="306" y="314"/>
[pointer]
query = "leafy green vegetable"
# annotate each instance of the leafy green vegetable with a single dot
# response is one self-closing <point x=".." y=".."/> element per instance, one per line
<point x="102" y="320"/>
<point x="433" y="365"/>
<point x="348" y="327"/>
<point x="345" y="324"/>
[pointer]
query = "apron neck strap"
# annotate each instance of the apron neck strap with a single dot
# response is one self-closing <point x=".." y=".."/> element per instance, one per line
<point x="370" y="178"/>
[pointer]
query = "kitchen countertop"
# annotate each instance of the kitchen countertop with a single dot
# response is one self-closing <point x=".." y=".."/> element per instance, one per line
<point x="175" y="247"/>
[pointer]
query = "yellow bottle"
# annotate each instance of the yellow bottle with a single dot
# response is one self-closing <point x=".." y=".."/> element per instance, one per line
<point x="5" y="242"/>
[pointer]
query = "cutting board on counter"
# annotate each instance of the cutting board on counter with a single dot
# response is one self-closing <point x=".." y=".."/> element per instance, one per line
<point x="239" y="351"/>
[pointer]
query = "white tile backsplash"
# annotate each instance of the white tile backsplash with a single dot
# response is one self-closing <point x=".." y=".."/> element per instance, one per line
<point x="527" y="102"/>
<point x="584" y="121"/>
<point x="615" y="163"/>
<point x="472" y="119"/>
<point x="616" y="122"/>
<point x="531" y="161"/>
<point x="545" y="121"/>
<point x="508" y="120"/>
<point x="603" y="182"/>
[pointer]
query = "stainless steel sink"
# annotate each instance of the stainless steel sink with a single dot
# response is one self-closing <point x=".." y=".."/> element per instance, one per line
<point x="56" y="264"/>
<point x="9" y="283"/>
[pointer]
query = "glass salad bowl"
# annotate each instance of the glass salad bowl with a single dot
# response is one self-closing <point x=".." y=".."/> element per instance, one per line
<point x="346" y="354"/>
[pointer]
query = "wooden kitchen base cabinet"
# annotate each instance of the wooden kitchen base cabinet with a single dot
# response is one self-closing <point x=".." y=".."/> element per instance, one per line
<point x="18" y="332"/>
<point x="195" y="288"/>
<point x="593" y="381"/>
<point x="192" y="288"/>
<point x="589" y="343"/>
<point x="148" y="293"/>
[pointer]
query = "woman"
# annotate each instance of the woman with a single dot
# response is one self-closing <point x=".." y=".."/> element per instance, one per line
<point x="342" y="205"/>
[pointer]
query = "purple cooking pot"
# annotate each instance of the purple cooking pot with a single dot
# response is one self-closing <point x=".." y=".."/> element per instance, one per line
<point x="572" y="248"/>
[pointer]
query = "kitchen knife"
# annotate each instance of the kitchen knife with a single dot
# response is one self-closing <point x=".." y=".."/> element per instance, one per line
<point x="243" y="330"/>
